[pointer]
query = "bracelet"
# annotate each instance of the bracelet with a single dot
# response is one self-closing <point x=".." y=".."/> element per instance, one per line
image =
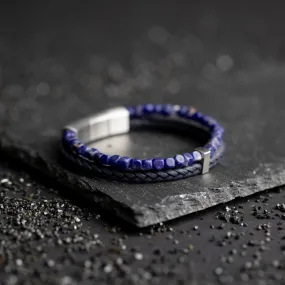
<point x="116" y="121"/>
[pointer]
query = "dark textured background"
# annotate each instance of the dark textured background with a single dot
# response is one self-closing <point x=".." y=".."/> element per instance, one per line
<point x="224" y="58"/>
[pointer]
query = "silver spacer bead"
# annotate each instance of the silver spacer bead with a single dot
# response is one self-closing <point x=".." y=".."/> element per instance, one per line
<point x="206" y="155"/>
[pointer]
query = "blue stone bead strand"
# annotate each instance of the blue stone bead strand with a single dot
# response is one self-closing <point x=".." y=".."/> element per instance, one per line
<point x="185" y="112"/>
<point x="151" y="109"/>
<point x="71" y="142"/>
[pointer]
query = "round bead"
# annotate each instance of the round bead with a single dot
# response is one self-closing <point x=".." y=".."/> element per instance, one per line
<point x="82" y="150"/>
<point x="212" y="123"/>
<point x="217" y="134"/>
<point x="73" y="142"/>
<point x="183" y="111"/>
<point x="167" y="109"/>
<point x="68" y="134"/>
<point x="147" y="164"/>
<point x="169" y="163"/>
<point x="124" y="163"/>
<point x="97" y="156"/>
<point x="204" y="120"/>
<point x="158" y="163"/>
<point x="76" y="145"/>
<point x="131" y="111"/>
<point x="136" y="164"/>
<point x="157" y="108"/>
<point x="91" y="152"/>
<point x="139" y="111"/>
<point x="113" y="160"/>
<point x="195" y="116"/>
<point x="215" y="143"/>
<point x="148" y="108"/>
<point x="70" y="142"/>
<point x="179" y="160"/>
<point x="197" y="156"/>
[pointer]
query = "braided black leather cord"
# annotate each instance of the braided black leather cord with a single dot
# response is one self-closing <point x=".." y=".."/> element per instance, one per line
<point x="135" y="176"/>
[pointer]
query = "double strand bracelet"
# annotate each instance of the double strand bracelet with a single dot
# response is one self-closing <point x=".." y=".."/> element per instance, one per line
<point x="116" y="121"/>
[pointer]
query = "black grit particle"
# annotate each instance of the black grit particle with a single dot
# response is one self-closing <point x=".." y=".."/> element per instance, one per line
<point x="46" y="239"/>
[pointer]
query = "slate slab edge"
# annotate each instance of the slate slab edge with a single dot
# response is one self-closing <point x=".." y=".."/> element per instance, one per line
<point x="239" y="189"/>
<point x="143" y="215"/>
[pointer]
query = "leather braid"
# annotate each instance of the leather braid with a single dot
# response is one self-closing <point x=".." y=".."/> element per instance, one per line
<point x="135" y="176"/>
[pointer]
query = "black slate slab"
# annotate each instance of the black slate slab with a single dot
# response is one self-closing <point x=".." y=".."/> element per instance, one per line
<point x="51" y="79"/>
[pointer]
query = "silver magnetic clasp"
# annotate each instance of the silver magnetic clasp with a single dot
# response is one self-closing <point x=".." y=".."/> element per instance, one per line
<point x="206" y="155"/>
<point x="107" y="123"/>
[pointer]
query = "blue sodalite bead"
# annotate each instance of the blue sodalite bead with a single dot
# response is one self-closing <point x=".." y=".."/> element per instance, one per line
<point x="197" y="156"/>
<point x="216" y="133"/>
<point x="131" y="110"/>
<point x="76" y="145"/>
<point x="68" y="134"/>
<point x="169" y="163"/>
<point x="191" y="112"/>
<point x="215" y="143"/>
<point x="218" y="138"/>
<point x="139" y="111"/>
<point x="136" y="164"/>
<point x="147" y="164"/>
<point x="91" y="152"/>
<point x="158" y="163"/>
<point x="167" y="109"/>
<point x="71" y="142"/>
<point x="157" y="108"/>
<point x="189" y="158"/>
<point x="82" y="150"/>
<point x="218" y="130"/>
<point x="196" y="116"/>
<point x="114" y="160"/>
<point x="183" y="111"/>
<point x="148" y="109"/>
<point x="97" y="156"/>
<point x="212" y="124"/>
<point x="179" y="160"/>
<point x="204" y="120"/>
<point x="208" y="146"/>
<point x="104" y="159"/>
<point x="124" y="163"/>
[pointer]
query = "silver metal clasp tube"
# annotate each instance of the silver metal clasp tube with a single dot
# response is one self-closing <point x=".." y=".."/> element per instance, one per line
<point x="111" y="122"/>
